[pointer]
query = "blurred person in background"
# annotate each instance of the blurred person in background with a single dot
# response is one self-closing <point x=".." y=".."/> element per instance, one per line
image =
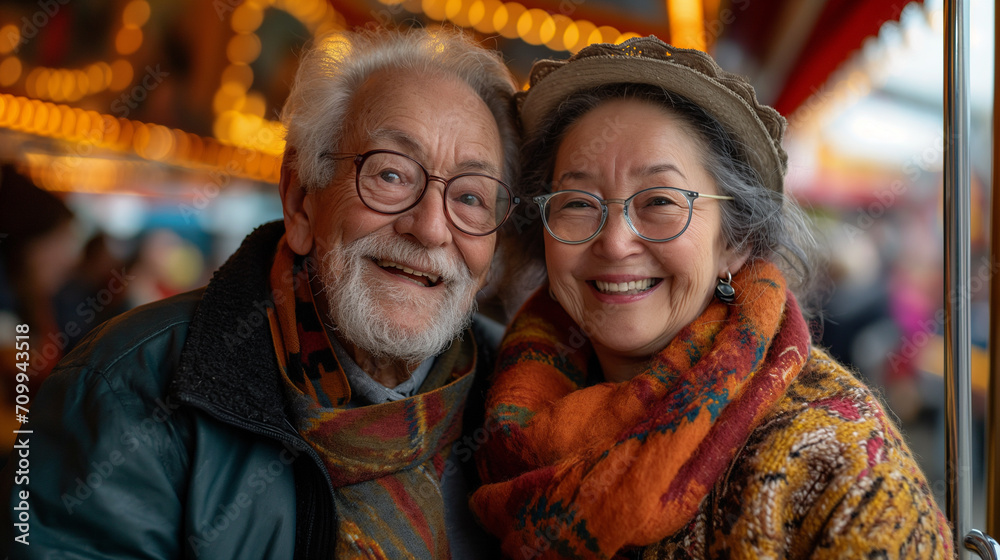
<point x="38" y="250"/>
<point x="858" y="276"/>
<point x="164" y="265"/>
<point x="307" y="403"/>
<point x="96" y="290"/>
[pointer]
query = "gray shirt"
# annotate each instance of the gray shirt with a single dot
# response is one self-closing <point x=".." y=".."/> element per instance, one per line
<point x="365" y="390"/>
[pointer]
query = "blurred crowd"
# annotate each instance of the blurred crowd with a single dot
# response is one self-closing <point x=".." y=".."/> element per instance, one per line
<point x="63" y="278"/>
<point x="884" y="314"/>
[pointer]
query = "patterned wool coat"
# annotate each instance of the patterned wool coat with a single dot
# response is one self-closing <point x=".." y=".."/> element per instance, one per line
<point x="826" y="474"/>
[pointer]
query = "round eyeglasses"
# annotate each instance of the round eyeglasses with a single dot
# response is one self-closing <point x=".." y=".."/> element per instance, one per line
<point x="656" y="214"/>
<point x="389" y="182"/>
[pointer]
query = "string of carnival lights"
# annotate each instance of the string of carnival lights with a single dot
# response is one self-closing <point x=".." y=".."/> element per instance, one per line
<point x="240" y="112"/>
<point x="246" y="144"/>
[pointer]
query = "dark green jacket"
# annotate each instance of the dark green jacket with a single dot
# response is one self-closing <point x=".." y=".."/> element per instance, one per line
<point x="164" y="435"/>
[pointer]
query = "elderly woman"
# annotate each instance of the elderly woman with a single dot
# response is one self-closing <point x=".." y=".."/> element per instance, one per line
<point x="660" y="397"/>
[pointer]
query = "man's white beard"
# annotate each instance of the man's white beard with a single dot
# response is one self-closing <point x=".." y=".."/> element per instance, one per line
<point x="362" y="307"/>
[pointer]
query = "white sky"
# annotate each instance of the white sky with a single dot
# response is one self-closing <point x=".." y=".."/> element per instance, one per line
<point x="903" y="115"/>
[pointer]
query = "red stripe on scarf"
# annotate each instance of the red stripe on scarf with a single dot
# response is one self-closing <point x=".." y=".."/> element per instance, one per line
<point x="409" y="507"/>
<point x="715" y="453"/>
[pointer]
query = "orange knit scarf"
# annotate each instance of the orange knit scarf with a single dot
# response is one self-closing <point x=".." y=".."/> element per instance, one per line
<point x="578" y="471"/>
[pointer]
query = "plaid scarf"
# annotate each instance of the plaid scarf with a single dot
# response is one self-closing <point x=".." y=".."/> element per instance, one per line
<point x="582" y="470"/>
<point x="386" y="461"/>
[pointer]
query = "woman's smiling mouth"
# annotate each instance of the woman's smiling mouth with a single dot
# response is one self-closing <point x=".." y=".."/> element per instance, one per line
<point x="625" y="288"/>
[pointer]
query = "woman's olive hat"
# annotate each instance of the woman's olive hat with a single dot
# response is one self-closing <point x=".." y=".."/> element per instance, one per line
<point x="692" y="74"/>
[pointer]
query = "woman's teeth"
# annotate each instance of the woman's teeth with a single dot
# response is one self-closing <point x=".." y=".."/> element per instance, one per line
<point x="624" y="287"/>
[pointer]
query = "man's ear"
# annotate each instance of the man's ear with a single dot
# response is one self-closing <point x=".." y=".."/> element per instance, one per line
<point x="298" y="227"/>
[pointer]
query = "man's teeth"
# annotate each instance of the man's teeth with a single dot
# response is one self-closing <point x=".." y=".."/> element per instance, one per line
<point x="624" y="287"/>
<point x="386" y="264"/>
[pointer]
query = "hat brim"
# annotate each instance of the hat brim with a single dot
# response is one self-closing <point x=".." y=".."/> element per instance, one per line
<point x="732" y="111"/>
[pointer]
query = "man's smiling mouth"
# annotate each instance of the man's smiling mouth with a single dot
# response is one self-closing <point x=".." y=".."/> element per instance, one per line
<point x="425" y="279"/>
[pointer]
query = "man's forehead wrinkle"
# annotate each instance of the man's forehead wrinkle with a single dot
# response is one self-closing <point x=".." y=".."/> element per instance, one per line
<point x="412" y="147"/>
<point x="401" y="138"/>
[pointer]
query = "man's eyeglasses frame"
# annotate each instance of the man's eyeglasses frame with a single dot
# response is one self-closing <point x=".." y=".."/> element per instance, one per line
<point x="359" y="161"/>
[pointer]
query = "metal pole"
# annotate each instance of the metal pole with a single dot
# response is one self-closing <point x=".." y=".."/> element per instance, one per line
<point x="983" y="544"/>
<point x="958" y="393"/>
<point x="993" y="392"/>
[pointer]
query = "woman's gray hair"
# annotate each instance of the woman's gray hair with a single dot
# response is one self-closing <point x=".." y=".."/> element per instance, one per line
<point x="332" y="70"/>
<point x="762" y="223"/>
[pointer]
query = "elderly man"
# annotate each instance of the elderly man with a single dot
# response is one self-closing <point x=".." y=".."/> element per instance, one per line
<point x="308" y="402"/>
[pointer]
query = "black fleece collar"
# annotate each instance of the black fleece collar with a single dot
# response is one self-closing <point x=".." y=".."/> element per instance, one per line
<point x="228" y="359"/>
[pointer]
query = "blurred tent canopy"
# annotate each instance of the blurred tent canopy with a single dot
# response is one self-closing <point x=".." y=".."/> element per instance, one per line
<point x="146" y="96"/>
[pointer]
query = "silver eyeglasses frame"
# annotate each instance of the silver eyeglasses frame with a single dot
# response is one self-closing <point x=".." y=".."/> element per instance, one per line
<point x="543" y="200"/>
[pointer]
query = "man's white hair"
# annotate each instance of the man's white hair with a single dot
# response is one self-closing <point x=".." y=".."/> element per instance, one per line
<point x="335" y="66"/>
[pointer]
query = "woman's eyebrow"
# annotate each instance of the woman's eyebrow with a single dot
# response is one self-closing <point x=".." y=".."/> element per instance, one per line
<point x="657" y="168"/>
<point x="643" y="171"/>
<point x="574" y="175"/>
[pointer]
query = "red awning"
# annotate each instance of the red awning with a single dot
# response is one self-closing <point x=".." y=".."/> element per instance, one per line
<point x="838" y="30"/>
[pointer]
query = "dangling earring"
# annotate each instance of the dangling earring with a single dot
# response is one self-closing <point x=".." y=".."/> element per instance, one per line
<point x="724" y="290"/>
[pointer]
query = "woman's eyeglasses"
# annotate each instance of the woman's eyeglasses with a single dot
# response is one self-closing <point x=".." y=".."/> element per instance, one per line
<point x="656" y="214"/>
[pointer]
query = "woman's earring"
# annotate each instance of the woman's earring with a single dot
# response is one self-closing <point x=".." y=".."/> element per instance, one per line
<point x="724" y="289"/>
